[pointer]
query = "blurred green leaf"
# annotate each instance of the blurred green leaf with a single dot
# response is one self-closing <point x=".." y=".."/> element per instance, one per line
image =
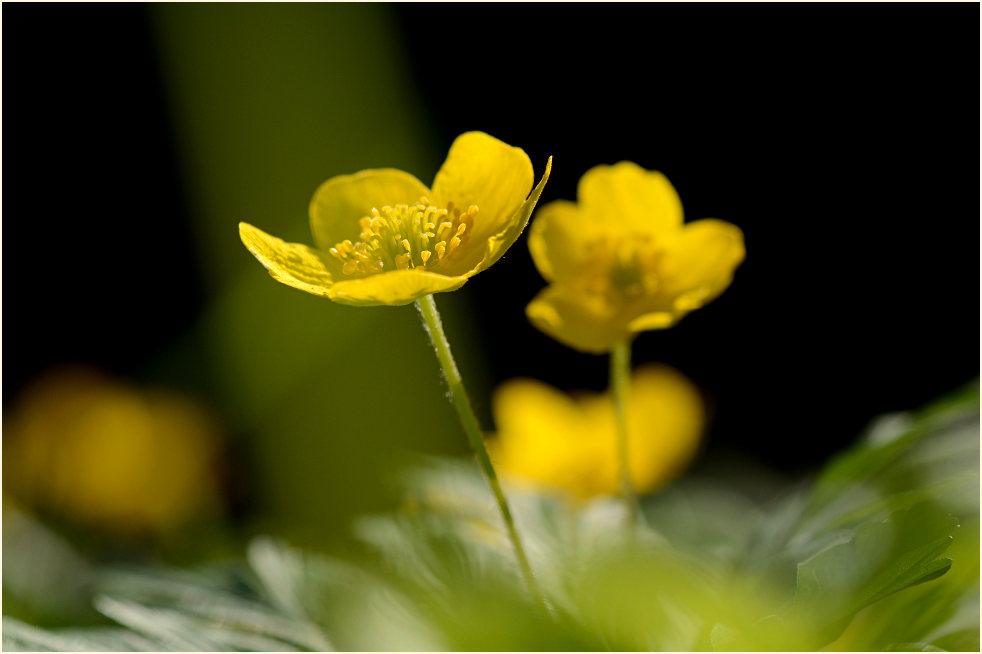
<point x="891" y="438"/>
<point x="214" y="600"/>
<point x="165" y="626"/>
<point x="963" y="640"/>
<point x="44" y="579"/>
<point x="21" y="637"/>
<point x="879" y="559"/>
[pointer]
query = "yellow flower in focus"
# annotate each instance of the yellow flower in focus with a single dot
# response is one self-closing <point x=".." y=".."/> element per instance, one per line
<point x="101" y="454"/>
<point x="384" y="238"/>
<point x="620" y="260"/>
<point x="570" y="444"/>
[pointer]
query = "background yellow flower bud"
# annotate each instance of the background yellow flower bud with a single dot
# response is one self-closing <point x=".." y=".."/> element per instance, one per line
<point x="568" y="443"/>
<point x="98" y="453"/>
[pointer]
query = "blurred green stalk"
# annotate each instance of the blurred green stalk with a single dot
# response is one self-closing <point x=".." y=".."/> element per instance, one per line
<point x="268" y="100"/>
<point x="620" y="383"/>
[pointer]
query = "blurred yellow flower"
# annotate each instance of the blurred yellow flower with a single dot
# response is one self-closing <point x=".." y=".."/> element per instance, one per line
<point x="620" y="261"/>
<point x="384" y="238"/>
<point x="570" y="444"/>
<point x="98" y="453"/>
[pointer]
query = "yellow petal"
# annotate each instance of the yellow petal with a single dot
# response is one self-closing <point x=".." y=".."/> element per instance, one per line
<point x="700" y="262"/>
<point x="658" y="319"/>
<point x="601" y="459"/>
<point x="293" y="264"/>
<point x="498" y="244"/>
<point x="341" y="201"/>
<point x="558" y="241"/>
<point x="483" y="171"/>
<point x="532" y="419"/>
<point x="666" y="417"/>
<point x="394" y="288"/>
<point x="541" y="437"/>
<point x="629" y="198"/>
<point x="582" y="321"/>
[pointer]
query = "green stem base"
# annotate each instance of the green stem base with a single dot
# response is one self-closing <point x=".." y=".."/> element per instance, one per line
<point x="620" y="382"/>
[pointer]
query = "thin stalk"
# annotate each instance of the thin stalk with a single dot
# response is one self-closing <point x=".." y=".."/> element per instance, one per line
<point x="620" y="382"/>
<point x="434" y="327"/>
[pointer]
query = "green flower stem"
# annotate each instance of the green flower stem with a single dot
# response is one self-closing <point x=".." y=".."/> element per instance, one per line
<point x="458" y="395"/>
<point x="620" y="382"/>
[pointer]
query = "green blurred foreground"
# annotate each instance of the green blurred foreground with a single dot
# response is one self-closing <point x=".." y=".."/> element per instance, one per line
<point x="879" y="552"/>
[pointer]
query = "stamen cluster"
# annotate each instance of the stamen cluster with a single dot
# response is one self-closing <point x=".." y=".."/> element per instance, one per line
<point x="403" y="236"/>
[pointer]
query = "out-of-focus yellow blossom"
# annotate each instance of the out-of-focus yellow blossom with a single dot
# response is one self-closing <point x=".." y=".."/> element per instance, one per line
<point x="570" y="444"/>
<point x="384" y="238"/>
<point x="98" y="453"/>
<point x="620" y="260"/>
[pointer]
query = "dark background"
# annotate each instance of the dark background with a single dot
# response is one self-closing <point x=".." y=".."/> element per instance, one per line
<point x="840" y="138"/>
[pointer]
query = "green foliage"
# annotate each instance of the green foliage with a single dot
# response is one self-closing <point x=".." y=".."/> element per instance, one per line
<point x="879" y="552"/>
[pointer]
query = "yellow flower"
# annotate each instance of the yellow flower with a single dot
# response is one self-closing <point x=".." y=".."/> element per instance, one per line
<point x="620" y="261"/>
<point x="102" y="454"/>
<point x="384" y="238"/>
<point x="567" y="444"/>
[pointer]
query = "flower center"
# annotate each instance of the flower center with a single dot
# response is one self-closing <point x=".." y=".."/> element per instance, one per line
<point x="404" y="236"/>
<point x="626" y="266"/>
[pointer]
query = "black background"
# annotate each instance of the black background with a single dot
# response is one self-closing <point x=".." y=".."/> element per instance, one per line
<point x="840" y="138"/>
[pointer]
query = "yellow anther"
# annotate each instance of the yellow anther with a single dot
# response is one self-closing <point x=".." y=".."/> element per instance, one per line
<point x="403" y="236"/>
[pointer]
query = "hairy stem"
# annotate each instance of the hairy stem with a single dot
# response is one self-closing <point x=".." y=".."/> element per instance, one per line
<point x="431" y="319"/>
